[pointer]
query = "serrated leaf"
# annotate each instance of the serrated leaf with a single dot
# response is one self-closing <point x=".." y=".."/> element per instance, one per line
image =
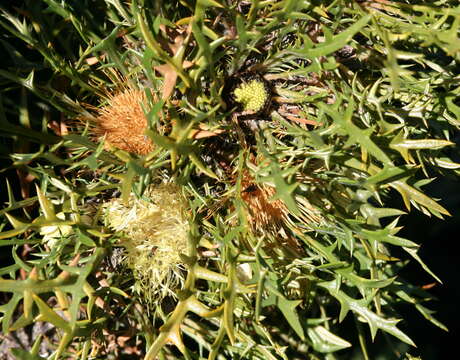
<point x="86" y="240"/>
<point x="403" y="145"/>
<point x="46" y="206"/>
<point x="347" y="273"/>
<point x="427" y="315"/>
<point x="371" y="212"/>
<point x="356" y="135"/>
<point x="60" y="185"/>
<point x="324" y="341"/>
<point x="334" y="43"/>
<point x="47" y="314"/>
<point x="404" y="295"/>
<point x="200" y="166"/>
<point x="17" y="224"/>
<point x="362" y="283"/>
<point x="389" y="174"/>
<point x="8" y="311"/>
<point x="288" y="309"/>
<point x="413" y="252"/>
<point x="14" y="232"/>
<point x="284" y="190"/>
<point x="431" y="144"/>
<point x="384" y="235"/>
<point x="359" y="307"/>
<point x="445" y="163"/>
<point x="411" y="194"/>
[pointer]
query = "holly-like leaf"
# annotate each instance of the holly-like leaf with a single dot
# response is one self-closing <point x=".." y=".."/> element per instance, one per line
<point x="324" y="341"/>
<point x="287" y="308"/>
<point x="410" y="193"/>
<point x="333" y="43"/>
<point x="355" y="134"/>
<point x="361" y="309"/>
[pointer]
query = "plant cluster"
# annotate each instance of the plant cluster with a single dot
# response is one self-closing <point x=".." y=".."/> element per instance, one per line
<point x="213" y="178"/>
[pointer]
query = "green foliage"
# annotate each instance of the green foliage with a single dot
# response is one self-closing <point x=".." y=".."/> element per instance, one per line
<point x="363" y="106"/>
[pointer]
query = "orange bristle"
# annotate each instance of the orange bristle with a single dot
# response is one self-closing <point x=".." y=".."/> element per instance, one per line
<point x="123" y="123"/>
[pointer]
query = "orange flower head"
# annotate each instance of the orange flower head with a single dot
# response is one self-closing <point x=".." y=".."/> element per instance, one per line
<point x="123" y="122"/>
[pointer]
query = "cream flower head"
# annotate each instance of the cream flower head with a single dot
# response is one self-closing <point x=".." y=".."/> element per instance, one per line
<point x="154" y="234"/>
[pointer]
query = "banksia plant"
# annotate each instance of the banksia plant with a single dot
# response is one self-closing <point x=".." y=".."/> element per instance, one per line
<point x="283" y="239"/>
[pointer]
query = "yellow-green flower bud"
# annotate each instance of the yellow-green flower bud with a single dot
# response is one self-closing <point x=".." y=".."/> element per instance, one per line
<point x="252" y="95"/>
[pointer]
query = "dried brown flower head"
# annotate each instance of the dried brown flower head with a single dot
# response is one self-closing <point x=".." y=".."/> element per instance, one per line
<point x="263" y="213"/>
<point x="123" y="122"/>
<point x="267" y="214"/>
